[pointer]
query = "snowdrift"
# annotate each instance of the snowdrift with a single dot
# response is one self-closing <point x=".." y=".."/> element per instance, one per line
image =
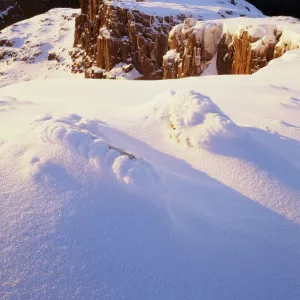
<point x="194" y="120"/>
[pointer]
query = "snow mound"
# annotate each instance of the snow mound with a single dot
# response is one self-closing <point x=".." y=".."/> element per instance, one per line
<point x="195" y="121"/>
<point x="88" y="140"/>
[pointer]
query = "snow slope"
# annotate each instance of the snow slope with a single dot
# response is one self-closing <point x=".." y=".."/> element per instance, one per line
<point x="198" y="9"/>
<point x="26" y="45"/>
<point x="184" y="189"/>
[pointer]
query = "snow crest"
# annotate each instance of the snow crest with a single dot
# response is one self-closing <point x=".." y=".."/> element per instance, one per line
<point x="194" y="120"/>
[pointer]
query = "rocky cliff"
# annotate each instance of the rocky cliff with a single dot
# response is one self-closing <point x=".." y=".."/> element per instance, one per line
<point x="111" y="35"/>
<point x="239" y="46"/>
<point x="134" y="34"/>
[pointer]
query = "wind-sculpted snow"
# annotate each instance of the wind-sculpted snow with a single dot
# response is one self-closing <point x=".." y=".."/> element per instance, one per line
<point x="206" y="9"/>
<point x="89" y="139"/>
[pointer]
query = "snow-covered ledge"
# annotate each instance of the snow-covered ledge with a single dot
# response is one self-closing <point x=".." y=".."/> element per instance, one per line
<point x="239" y="45"/>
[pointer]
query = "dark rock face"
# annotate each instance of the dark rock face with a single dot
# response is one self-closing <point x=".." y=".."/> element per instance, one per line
<point x="17" y="10"/>
<point x="34" y="7"/>
<point x="278" y="7"/>
<point x="10" y="12"/>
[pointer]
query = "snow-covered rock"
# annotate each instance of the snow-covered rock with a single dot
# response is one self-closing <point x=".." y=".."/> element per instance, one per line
<point x="241" y="45"/>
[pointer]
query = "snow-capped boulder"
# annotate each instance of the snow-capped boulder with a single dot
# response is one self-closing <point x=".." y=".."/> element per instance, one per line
<point x="250" y="45"/>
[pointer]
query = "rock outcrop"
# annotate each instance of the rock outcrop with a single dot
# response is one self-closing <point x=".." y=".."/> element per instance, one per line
<point x="110" y="35"/>
<point x="247" y="50"/>
<point x="240" y="47"/>
<point x="253" y="47"/>
<point x="113" y="33"/>
<point x="192" y="48"/>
